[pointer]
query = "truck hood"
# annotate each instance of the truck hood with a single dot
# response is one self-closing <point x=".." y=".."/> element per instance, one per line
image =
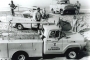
<point x="68" y="5"/>
<point x="74" y="37"/>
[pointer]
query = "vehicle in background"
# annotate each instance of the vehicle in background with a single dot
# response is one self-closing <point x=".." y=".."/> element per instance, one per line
<point x="30" y="13"/>
<point x="20" y="22"/>
<point x="20" y="46"/>
<point x="63" y="6"/>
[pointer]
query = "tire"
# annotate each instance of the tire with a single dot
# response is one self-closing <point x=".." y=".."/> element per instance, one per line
<point x="20" y="56"/>
<point x="72" y="54"/>
<point x="53" y="10"/>
<point x="20" y="26"/>
<point x="47" y="16"/>
<point x="31" y="26"/>
<point x="61" y="12"/>
<point x="76" y="11"/>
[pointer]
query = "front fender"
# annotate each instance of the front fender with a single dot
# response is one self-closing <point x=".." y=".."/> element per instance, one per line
<point x="72" y="46"/>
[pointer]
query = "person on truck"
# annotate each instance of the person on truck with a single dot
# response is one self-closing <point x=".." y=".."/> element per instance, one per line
<point x="66" y="26"/>
<point x="12" y="5"/>
<point x="38" y="17"/>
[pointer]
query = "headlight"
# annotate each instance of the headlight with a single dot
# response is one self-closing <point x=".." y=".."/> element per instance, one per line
<point x="65" y="7"/>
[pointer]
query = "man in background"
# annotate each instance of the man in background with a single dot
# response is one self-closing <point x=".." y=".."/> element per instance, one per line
<point x="12" y="5"/>
<point x="78" y="5"/>
<point x="38" y="17"/>
<point x="74" y="24"/>
<point x="44" y="13"/>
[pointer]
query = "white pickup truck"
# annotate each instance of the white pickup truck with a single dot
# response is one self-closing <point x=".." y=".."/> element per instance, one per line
<point x="20" y="46"/>
<point x="63" y="6"/>
<point x="20" y="22"/>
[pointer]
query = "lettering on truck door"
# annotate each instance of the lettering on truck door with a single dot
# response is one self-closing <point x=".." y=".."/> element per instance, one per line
<point x="53" y="45"/>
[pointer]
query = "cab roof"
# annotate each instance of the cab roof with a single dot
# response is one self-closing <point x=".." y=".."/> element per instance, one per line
<point x="50" y="27"/>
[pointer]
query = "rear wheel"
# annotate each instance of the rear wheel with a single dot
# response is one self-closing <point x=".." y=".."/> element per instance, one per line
<point x="20" y="56"/>
<point x="53" y="10"/>
<point x="20" y="26"/>
<point x="76" y="11"/>
<point x="61" y="12"/>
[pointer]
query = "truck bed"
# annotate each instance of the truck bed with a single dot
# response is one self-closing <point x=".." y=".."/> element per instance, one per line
<point x="20" y="36"/>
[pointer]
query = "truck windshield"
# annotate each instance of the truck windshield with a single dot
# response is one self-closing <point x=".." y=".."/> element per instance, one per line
<point x="63" y="2"/>
<point x="27" y="16"/>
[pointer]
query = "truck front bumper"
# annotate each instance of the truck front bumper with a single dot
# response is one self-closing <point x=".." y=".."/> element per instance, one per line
<point x="69" y="9"/>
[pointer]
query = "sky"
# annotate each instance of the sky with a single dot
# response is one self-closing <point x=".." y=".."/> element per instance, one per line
<point x="28" y="3"/>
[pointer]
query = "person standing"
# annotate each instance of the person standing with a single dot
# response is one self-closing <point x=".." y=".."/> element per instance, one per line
<point x="74" y="24"/>
<point x="59" y="23"/>
<point x="78" y="5"/>
<point x="38" y="17"/>
<point x="12" y="5"/>
<point x="44" y="13"/>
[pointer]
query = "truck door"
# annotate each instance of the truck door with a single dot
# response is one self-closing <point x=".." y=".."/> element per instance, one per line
<point x="53" y="45"/>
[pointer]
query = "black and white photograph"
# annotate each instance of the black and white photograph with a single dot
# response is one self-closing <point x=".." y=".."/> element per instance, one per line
<point x="44" y="30"/>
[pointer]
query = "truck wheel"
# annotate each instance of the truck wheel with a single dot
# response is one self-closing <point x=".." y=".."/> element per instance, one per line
<point x="76" y="11"/>
<point x="47" y="16"/>
<point x="71" y="54"/>
<point x="20" y="26"/>
<point x="20" y="56"/>
<point x="53" y="10"/>
<point x="61" y="12"/>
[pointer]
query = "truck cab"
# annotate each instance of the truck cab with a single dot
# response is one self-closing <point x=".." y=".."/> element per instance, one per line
<point x="59" y="42"/>
<point x="63" y="6"/>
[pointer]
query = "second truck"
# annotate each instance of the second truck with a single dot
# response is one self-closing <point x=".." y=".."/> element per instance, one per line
<point x="63" y="6"/>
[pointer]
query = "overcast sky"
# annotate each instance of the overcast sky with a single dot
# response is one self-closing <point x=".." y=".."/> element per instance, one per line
<point x="28" y="3"/>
